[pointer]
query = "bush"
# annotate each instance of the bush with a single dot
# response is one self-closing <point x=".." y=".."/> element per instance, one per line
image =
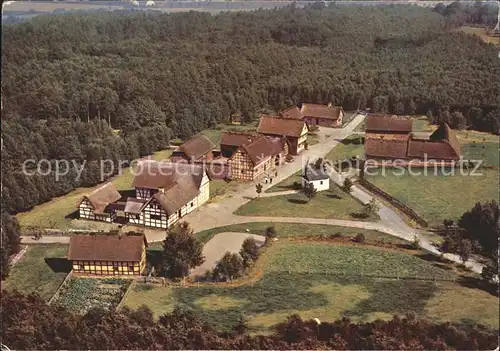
<point x="336" y="235"/>
<point x="249" y="252"/>
<point x="415" y="243"/>
<point x="359" y="238"/>
<point x="297" y="186"/>
<point x="230" y="267"/>
<point x="271" y="232"/>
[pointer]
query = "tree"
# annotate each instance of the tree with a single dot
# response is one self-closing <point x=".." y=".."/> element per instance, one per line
<point x="258" y="189"/>
<point x="465" y="250"/>
<point x="347" y="185"/>
<point x="482" y="224"/>
<point x="371" y="207"/>
<point x="309" y="190"/>
<point x="457" y="120"/>
<point x="182" y="251"/>
<point x="318" y="164"/>
<point x="229" y="267"/>
<point x="249" y="251"/>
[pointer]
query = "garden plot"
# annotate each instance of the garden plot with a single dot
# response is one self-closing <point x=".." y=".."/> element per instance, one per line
<point x="82" y="294"/>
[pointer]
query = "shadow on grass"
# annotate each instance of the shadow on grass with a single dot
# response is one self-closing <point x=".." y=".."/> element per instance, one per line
<point x="58" y="264"/>
<point x="476" y="283"/>
<point x="73" y="215"/>
<point x="353" y="141"/>
<point x="360" y="215"/>
<point x="127" y="193"/>
<point x="434" y="259"/>
<point x="334" y="196"/>
<point x="298" y="201"/>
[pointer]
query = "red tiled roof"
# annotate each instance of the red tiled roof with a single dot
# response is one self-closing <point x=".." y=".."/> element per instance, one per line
<point x="385" y="148"/>
<point x="101" y="197"/>
<point x="178" y="195"/>
<point x="197" y="146"/>
<point x="264" y="147"/>
<point x="280" y="126"/>
<point x="292" y="112"/>
<point x="444" y="132"/>
<point x="164" y="175"/>
<point x="376" y="123"/>
<point x="321" y="111"/>
<point x="237" y="139"/>
<point x="134" y="205"/>
<point x="106" y="248"/>
<point x="437" y="150"/>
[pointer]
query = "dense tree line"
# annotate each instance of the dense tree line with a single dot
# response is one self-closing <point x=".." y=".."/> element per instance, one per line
<point x="70" y="82"/>
<point x="29" y="323"/>
<point x="10" y="242"/>
<point x="469" y="13"/>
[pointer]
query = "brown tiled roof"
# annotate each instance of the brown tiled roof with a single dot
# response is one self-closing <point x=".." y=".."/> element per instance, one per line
<point x="292" y="112"/>
<point x="101" y="197"/>
<point x="164" y="175"/>
<point x="197" y="146"/>
<point x="280" y="126"/>
<point x="237" y="138"/>
<point x="386" y="136"/>
<point x="106" y="248"/>
<point x="387" y="124"/>
<point x="444" y="132"/>
<point x="437" y="150"/>
<point x="385" y="148"/>
<point x="177" y="196"/>
<point x="263" y="147"/>
<point x="321" y="111"/>
<point x="134" y="205"/>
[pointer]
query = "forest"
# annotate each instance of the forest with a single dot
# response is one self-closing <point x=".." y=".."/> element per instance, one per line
<point x="120" y="85"/>
<point x="28" y="323"/>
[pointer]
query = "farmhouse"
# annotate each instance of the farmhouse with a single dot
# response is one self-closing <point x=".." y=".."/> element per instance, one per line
<point x="107" y="254"/>
<point x="323" y="115"/>
<point x="391" y="139"/>
<point x="315" y="176"/>
<point x="100" y="204"/>
<point x="252" y="160"/>
<point x="165" y="192"/>
<point x="231" y="141"/>
<point x="294" y="130"/>
<point x="197" y="149"/>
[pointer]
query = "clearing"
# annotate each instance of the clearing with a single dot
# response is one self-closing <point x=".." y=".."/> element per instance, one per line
<point x="41" y="270"/>
<point x="484" y="33"/>
<point x="332" y="203"/>
<point x="327" y="281"/>
<point x="81" y="294"/>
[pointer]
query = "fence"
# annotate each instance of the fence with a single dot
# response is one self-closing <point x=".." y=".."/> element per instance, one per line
<point x="64" y="282"/>
<point x="127" y="292"/>
<point x="395" y="202"/>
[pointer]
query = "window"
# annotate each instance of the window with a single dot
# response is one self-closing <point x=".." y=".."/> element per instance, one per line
<point x="242" y="171"/>
<point x="131" y="268"/>
<point x="156" y="217"/>
<point x="321" y="182"/>
<point x="192" y="204"/>
<point x="115" y="269"/>
<point x="81" y="267"/>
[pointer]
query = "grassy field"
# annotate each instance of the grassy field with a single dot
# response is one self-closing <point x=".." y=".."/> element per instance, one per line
<point x="327" y="281"/>
<point x="82" y="294"/>
<point x="41" y="271"/>
<point x="347" y="148"/>
<point x="214" y="134"/>
<point x="300" y="230"/>
<point x="333" y="203"/>
<point x="432" y="195"/>
<point x="286" y="184"/>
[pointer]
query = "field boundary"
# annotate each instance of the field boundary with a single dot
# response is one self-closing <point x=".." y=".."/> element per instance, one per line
<point x="395" y="202"/>
<point x="64" y="282"/>
<point x="124" y="297"/>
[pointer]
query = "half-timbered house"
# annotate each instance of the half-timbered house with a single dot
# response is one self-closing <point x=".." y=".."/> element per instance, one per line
<point x="291" y="112"/>
<point x="166" y="192"/>
<point x="197" y="149"/>
<point x="323" y="115"/>
<point x="231" y="141"/>
<point x="253" y="160"/>
<point x="294" y="130"/>
<point x="107" y="254"/>
<point x="100" y="204"/>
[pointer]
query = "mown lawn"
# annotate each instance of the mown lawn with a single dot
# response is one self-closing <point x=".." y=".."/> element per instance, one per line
<point x="217" y="186"/>
<point x="333" y="203"/>
<point x="56" y="213"/>
<point x="347" y="148"/>
<point x="41" y="270"/>
<point x="214" y="134"/>
<point x="326" y="281"/>
<point x="300" y="230"/>
<point x="437" y="196"/>
<point x="286" y="184"/>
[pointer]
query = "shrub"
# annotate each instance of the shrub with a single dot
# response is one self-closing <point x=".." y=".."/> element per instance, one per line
<point x="271" y="232"/>
<point x="230" y="267"/>
<point x="335" y="236"/>
<point x="249" y="251"/>
<point x="296" y="186"/>
<point x="415" y="243"/>
<point x="359" y="238"/>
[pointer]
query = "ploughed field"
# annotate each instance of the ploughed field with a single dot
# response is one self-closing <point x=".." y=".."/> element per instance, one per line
<point x="328" y="281"/>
